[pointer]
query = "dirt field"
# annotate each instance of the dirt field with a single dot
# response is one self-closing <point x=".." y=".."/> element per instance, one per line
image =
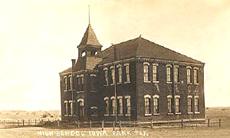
<point x="190" y="132"/>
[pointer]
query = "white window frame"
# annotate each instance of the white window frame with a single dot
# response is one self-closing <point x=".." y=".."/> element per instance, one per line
<point x="127" y="73"/>
<point x="106" y="77"/>
<point x="106" y="99"/>
<point x="169" y="104"/>
<point x="147" y="110"/>
<point x="177" y="104"/>
<point x="120" y="104"/>
<point x="65" y="83"/>
<point x="112" y="71"/>
<point x="196" y="103"/>
<point x="155" y="72"/>
<point x="128" y="105"/>
<point x="168" y="73"/>
<point x="146" y="72"/>
<point x="189" y="104"/>
<point x="176" y="74"/>
<point x="156" y="105"/>
<point x="119" y="70"/>
<point x="66" y="108"/>
<point x="114" y="106"/>
<point x="188" y="74"/>
<point x="195" y="75"/>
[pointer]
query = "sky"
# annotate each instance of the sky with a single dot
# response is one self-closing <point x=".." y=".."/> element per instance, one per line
<point x="38" y="39"/>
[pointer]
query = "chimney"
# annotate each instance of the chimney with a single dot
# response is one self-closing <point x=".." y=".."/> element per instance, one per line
<point x="73" y="62"/>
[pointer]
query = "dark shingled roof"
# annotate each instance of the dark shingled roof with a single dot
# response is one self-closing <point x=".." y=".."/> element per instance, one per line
<point x="140" y="47"/>
<point x="89" y="39"/>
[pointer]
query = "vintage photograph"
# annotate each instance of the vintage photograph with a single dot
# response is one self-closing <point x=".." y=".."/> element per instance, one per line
<point x="114" y="68"/>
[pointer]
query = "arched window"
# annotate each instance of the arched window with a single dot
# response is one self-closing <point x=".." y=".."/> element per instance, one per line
<point x="195" y="75"/>
<point x="80" y="108"/>
<point x="112" y="75"/>
<point x="119" y="68"/>
<point x="155" y="75"/>
<point x="176" y="73"/>
<point x="106" y="76"/>
<point x="127" y="106"/>
<point x="114" y="107"/>
<point x="168" y="73"/>
<point x="65" y="83"/>
<point x="66" y="110"/>
<point x="155" y="104"/>
<point x="189" y="104"/>
<point x="127" y="74"/>
<point x="169" y="99"/>
<point x="177" y="104"/>
<point x="146" y="72"/>
<point x="188" y="75"/>
<point x="120" y="105"/>
<point x="83" y="53"/>
<point x="106" y="102"/>
<point x="147" y="99"/>
<point x="196" y="104"/>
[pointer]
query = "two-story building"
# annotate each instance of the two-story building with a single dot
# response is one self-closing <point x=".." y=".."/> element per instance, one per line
<point x="133" y="80"/>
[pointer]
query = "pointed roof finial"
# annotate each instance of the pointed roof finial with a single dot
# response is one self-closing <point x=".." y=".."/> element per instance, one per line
<point x="89" y="12"/>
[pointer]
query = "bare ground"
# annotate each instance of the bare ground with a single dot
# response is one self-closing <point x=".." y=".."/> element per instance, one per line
<point x="190" y="132"/>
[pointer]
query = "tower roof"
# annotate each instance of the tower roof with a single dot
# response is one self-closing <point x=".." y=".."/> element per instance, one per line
<point x="89" y="39"/>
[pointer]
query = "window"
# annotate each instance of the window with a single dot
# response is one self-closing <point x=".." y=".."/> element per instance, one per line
<point x="106" y="100"/>
<point x="112" y="75"/>
<point x="155" y="77"/>
<point x="156" y="104"/>
<point x="119" y="73"/>
<point x="188" y="75"/>
<point x="114" y="107"/>
<point x="93" y="82"/>
<point x="168" y="73"/>
<point x="176" y="73"/>
<point x="68" y="82"/>
<point x="146" y="72"/>
<point x="71" y="82"/>
<point x="127" y="106"/>
<point x="66" y="108"/>
<point x="196" y="104"/>
<point x="80" y="107"/>
<point x="82" y="79"/>
<point x="195" y="71"/>
<point x="106" y="76"/>
<point x="169" y="101"/>
<point x="65" y="83"/>
<point x="177" y="104"/>
<point x="120" y="107"/>
<point x="147" y="99"/>
<point x="189" y="104"/>
<point x="71" y="107"/>
<point x="127" y="73"/>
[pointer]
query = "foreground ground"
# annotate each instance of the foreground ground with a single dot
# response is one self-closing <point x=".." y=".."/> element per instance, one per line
<point x="188" y="132"/>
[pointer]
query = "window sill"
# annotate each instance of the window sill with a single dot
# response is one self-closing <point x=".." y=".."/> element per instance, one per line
<point x="169" y="82"/>
<point x="127" y="114"/>
<point x="120" y="114"/>
<point x="112" y="84"/>
<point x="66" y="115"/>
<point x="170" y="113"/>
<point x="80" y="91"/>
<point x="147" y="81"/>
<point x="106" y="114"/>
<point x="178" y="113"/>
<point x="126" y="82"/>
<point x="119" y="83"/>
<point x="197" y="112"/>
<point x="148" y="114"/>
<point x="113" y="114"/>
<point x="156" y="114"/>
<point x="106" y="85"/>
<point x="189" y="83"/>
<point x="65" y="90"/>
<point x="155" y="81"/>
<point x="196" y="83"/>
<point x="190" y="113"/>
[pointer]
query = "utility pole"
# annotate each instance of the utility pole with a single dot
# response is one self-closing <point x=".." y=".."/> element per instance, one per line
<point x="115" y="85"/>
<point x="72" y="90"/>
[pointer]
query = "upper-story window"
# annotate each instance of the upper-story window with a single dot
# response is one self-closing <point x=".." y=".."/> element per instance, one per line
<point x="155" y="75"/>
<point x="146" y="72"/>
<point x="65" y="83"/>
<point x="119" y="68"/>
<point x="195" y="75"/>
<point x="106" y="76"/>
<point x="112" y="75"/>
<point x="176" y="73"/>
<point x="127" y="75"/>
<point x="168" y="73"/>
<point x="68" y="82"/>
<point x="188" y="75"/>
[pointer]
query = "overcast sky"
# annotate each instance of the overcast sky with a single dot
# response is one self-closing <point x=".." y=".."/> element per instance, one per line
<point x="39" y="37"/>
